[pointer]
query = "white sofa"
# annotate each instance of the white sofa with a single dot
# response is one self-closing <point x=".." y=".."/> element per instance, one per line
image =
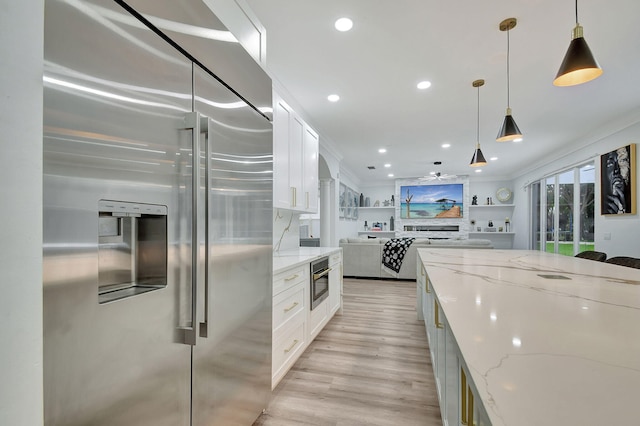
<point x="362" y="257"/>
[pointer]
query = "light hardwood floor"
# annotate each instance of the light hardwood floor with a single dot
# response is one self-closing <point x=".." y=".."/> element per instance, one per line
<point x="369" y="366"/>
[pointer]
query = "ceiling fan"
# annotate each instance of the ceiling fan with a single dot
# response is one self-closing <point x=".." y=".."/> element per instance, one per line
<point x="437" y="176"/>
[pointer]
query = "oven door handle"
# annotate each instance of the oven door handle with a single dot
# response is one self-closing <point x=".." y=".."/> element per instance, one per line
<point x="322" y="274"/>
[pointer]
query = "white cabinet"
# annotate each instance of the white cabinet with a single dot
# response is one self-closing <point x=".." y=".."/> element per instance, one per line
<point x="296" y="155"/>
<point x="282" y="115"/>
<point x="318" y="317"/>
<point x="310" y="170"/>
<point x="290" y="306"/>
<point x="294" y="324"/>
<point x="295" y="160"/>
<point x="498" y="215"/>
<point x="335" y="283"/>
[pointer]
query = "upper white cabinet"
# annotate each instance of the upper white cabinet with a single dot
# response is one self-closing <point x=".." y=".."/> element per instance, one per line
<point x="295" y="162"/>
<point x="310" y="167"/>
<point x="282" y="115"/>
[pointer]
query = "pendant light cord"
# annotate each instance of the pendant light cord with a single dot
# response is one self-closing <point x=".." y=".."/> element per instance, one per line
<point x="576" y="12"/>
<point x="508" y="101"/>
<point x="478" y="121"/>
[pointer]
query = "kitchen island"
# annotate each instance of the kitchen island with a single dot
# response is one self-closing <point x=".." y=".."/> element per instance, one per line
<point x="531" y="338"/>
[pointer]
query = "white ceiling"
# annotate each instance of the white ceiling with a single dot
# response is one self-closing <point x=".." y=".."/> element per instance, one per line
<point x="395" y="44"/>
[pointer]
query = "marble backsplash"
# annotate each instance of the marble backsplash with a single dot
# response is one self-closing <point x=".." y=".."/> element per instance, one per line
<point x="286" y="230"/>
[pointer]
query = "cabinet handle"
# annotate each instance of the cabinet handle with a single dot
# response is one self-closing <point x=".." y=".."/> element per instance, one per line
<point x="291" y="307"/>
<point x="463" y="397"/>
<point x="426" y="286"/>
<point x="294" y="201"/>
<point x="307" y="199"/>
<point x="293" y="277"/>
<point x="293" y="345"/>
<point x="436" y="315"/>
<point x="470" y="407"/>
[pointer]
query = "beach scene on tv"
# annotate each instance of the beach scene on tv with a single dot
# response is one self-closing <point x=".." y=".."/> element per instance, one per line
<point x="431" y="201"/>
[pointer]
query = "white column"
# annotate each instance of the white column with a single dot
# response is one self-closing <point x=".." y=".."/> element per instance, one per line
<point x="326" y="204"/>
<point x="21" y="50"/>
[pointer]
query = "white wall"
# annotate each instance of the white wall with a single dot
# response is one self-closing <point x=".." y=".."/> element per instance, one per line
<point x="485" y="188"/>
<point x="624" y="231"/>
<point x="21" y="32"/>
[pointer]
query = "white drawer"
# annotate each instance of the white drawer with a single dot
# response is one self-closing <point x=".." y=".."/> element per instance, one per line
<point x="289" y="278"/>
<point x="286" y="349"/>
<point x="288" y="303"/>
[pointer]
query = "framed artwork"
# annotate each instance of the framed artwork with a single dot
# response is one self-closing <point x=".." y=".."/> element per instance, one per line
<point x="431" y="201"/>
<point x="343" y="201"/>
<point x="618" y="181"/>
<point x="350" y="205"/>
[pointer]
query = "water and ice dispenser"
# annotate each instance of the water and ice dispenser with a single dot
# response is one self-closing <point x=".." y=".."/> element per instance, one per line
<point x="132" y="249"/>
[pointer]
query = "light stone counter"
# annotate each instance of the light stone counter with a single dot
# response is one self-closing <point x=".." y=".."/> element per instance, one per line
<point x="543" y="351"/>
<point x="285" y="259"/>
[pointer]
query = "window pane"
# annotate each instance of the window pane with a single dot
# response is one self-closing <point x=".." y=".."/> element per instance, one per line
<point x="535" y="215"/>
<point x="565" y="212"/>
<point x="550" y="238"/>
<point x="587" y="200"/>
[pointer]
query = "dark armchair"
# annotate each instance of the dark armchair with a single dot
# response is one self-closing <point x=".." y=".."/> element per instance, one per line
<point x="630" y="262"/>
<point x="593" y="255"/>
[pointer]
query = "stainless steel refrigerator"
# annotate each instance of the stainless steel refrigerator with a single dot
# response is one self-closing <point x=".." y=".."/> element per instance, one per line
<point x="157" y="218"/>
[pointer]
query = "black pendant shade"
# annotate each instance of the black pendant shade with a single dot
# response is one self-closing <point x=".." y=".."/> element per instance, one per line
<point x="509" y="130"/>
<point x="579" y="66"/>
<point x="478" y="159"/>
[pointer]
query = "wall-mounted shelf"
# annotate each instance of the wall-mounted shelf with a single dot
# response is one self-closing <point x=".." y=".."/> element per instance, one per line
<point x="378" y="208"/>
<point x="381" y="234"/>
<point x="489" y="206"/>
<point x="497" y="213"/>
<point x="491" y="233"/>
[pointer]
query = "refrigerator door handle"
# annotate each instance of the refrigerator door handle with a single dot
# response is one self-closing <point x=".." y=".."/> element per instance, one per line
<point x="192" y="121"/>
<point x="205" y="126"/>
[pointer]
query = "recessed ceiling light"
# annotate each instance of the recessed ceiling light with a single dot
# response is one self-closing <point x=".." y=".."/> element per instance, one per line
<point x="446" y="145"/>
<point x="390" y="175"/>
<point x="478" y="170"/>
<point x="424" y="85"/>
<point x="333" y="98"/>
<point x="344" y="24"/>
<point x="387" y="165"/>
<point x="518" y="140"/>
<point x="382" y="150"/>
<point x="493" y="158"/>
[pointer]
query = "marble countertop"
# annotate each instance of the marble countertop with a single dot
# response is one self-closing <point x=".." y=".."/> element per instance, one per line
<point x="286" y="259"/>
<point x="543" y="351"/>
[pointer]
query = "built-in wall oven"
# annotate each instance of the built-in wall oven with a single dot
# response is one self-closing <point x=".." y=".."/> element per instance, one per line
<point x="319" y="281"/>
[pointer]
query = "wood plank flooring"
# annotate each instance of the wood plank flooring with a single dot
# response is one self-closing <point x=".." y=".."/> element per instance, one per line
<point x="369" y="366"/>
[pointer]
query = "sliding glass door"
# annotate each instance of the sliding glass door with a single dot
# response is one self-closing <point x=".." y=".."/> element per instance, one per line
<point x="562" y="211"/>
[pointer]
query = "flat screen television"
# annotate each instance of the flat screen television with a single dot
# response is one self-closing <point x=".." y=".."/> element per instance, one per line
<point x="442" y="201"/>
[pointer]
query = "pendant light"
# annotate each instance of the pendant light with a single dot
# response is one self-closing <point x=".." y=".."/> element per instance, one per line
<point x="478" y="159"/>
<point x="509" y="130"/>
<point x="579" y="65"/>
